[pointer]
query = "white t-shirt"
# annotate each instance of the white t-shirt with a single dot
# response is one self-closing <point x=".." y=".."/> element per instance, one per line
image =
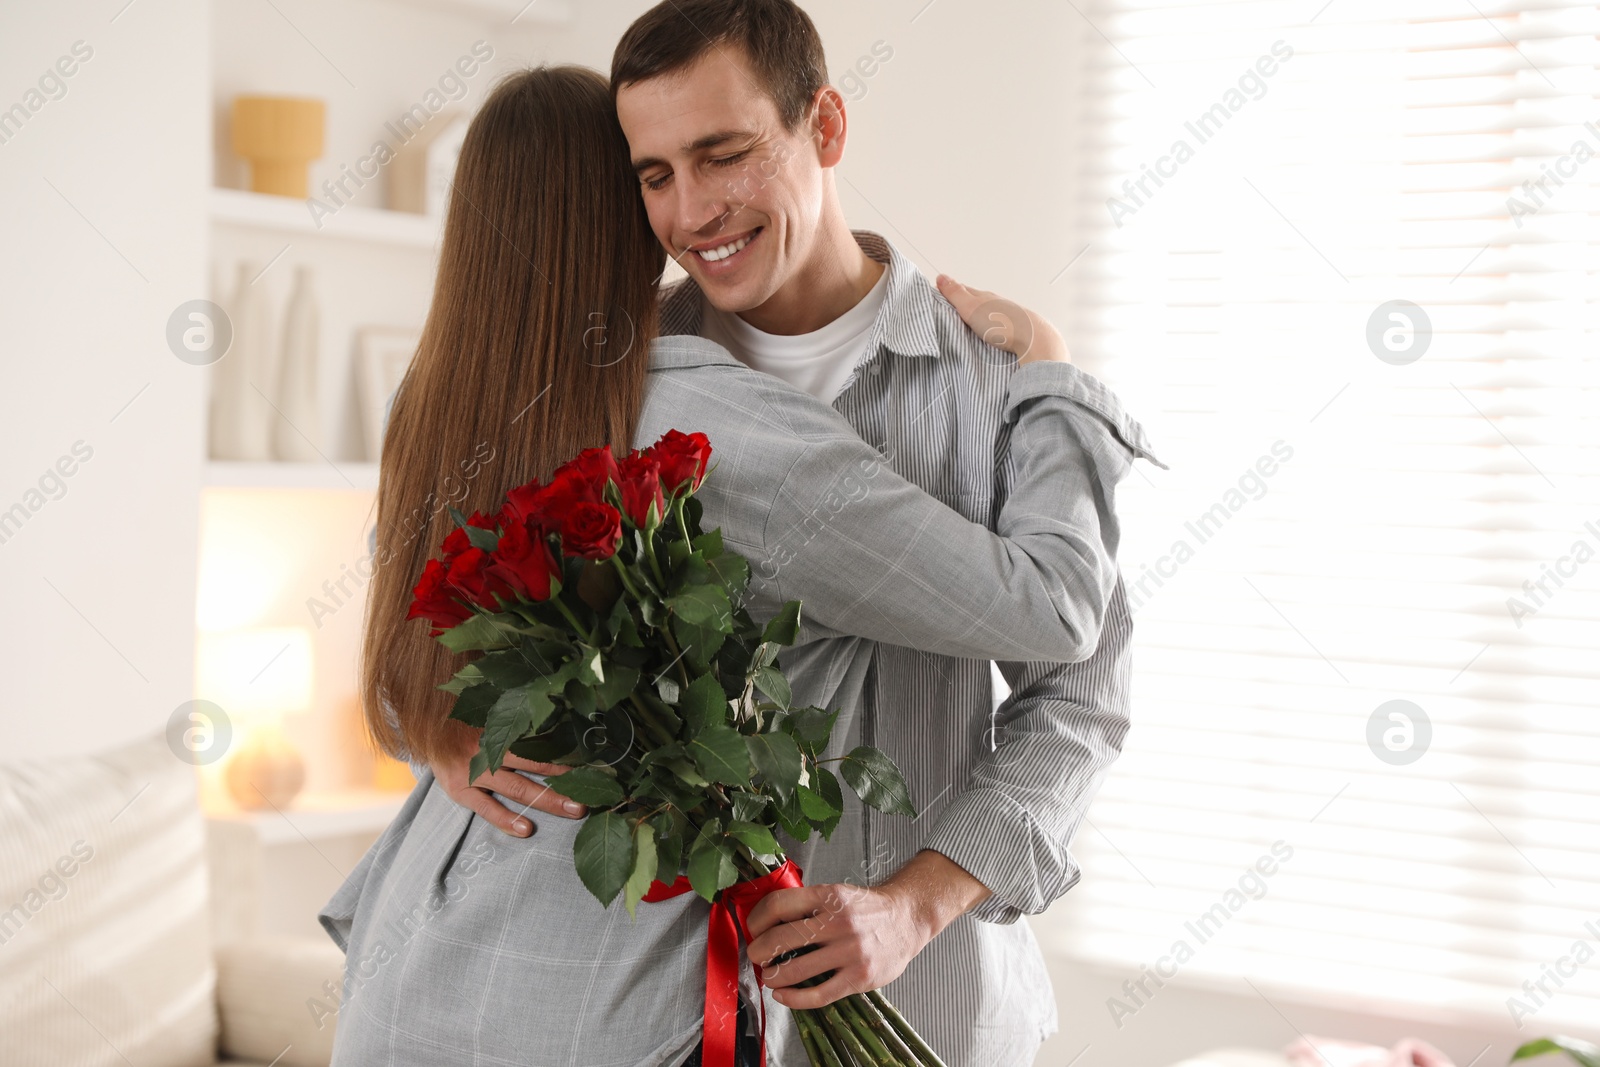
<point x="819" y="362"/>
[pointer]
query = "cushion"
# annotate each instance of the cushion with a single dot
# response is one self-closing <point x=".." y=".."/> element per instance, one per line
<point x="280" y="1000"/>
<point x="105" y="941"/>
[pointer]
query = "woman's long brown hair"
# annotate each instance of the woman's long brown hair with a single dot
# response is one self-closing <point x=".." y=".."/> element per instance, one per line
<point x="535" y="347"/>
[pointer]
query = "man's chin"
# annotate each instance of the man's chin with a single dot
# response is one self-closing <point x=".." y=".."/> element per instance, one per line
<point x="728" y="296"/>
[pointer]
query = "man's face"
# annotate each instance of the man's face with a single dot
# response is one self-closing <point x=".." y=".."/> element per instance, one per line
<point x="732" y="195"/>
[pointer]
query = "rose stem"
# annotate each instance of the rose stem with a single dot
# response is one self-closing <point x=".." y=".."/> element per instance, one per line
<point x="814" y="1040"/>
<point x="903" y="1028"/>
<point x="850" y="1012"/>
<point x="846" y="1036"/>
<point x="868" y="1012"/>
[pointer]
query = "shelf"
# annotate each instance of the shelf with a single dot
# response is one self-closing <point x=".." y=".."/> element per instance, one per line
<point x="351" y="476"/>
<point x="288" y="215"/>
<point x="317" y="817"/>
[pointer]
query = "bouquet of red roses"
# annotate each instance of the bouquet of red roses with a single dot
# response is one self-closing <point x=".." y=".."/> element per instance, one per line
<point x="611" y="638"/>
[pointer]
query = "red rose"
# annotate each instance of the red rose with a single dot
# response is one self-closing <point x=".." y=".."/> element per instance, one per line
<point x="434" y="600"/>
<point x="591" y="531"/>
<point x="522" y="504"/>
<point x="524" y="562"/>
<point x="457" y="542"/>
<point x="639" y="480"/>
<point x="584" y="477"/>
<point x="683" y="458"/>
<point x="470" y="576"/>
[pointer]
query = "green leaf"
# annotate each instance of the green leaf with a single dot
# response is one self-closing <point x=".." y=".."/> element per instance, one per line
<point x="463" y="679"/>
<point x="826" y="786"/>
<point x="509" y="668"/>
<point x="785" y="626"/>
<point x="704" y="606"/>
<point x="747" y="807"/>
<point x="670" y="826"/>
<point x="622" y="625"/>
<point x="458" y="518"/>
<point x="590" y="672"/>
<point x="733" y="571"/>
<point x="699" y="643"/>
<point x="553" y="747"/>
<point x="619" y="682"/>
<point x="686" y="772"/>
<point x="709" y="545"/>
<point x="711" y="863"/>
<point x="472" y="706"/>
<point x="771" y="681"/>
<point x="877" y="781"/>
<point x="480" y="632"/>
<point x="1581" y="1051"/>
<point x="604" y="854"/>
<point x="823" y="801"/>
<point x="581" y="697"/>
<point x="588" y="785"/>
<point x="487" y="540"/>
<point x="703" y="704"/>
<point x="757" y="839"/>
<point x="777" y="757"/>
<point x="644" y="866"/>
<point x="792" y="818"/>
<point x="812" y="726"/>
<point x="519" y="711"/>
<point x="815" y="806"/>
<point x="719" y="752"/>
<point x="667" y="686"/>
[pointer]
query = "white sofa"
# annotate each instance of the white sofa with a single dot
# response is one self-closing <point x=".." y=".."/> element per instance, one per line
<point x="106" y="948"/>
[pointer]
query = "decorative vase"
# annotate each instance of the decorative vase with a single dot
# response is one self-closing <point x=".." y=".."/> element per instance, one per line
<point x="241" y="417"/>
<point x="280" y="136"/>
<point x="296" y="429"/>
<point x="267" y="773"/>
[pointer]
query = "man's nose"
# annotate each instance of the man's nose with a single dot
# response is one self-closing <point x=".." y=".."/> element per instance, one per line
<point x="702" y="206"/>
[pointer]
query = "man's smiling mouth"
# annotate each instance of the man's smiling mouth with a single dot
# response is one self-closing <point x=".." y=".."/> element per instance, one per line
<point x="725" y="250"/>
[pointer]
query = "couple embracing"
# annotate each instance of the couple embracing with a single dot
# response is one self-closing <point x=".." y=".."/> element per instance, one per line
<point x="937" y="502"/>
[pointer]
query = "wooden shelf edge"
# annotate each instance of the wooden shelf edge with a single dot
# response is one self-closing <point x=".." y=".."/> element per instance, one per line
<point x="282" y="214"/>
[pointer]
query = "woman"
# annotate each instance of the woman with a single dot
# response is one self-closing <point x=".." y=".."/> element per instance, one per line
<point x="463" y="943"/>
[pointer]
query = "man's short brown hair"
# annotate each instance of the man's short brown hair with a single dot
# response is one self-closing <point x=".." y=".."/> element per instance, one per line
<point x="780" y="39"/>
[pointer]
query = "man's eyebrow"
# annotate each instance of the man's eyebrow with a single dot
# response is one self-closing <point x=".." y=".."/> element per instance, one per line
<point x="700" y="144"/>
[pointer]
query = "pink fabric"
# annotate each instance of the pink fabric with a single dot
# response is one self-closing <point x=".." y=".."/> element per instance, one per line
<point x="1326" y="1052"/>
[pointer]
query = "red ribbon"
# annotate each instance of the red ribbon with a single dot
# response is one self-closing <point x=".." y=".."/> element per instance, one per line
<point x="729" y="912"/>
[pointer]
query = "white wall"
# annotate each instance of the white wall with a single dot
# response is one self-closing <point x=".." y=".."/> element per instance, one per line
<point x="102" y="240"/>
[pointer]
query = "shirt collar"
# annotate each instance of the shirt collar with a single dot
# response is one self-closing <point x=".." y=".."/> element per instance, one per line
<point x="910" y="307"/>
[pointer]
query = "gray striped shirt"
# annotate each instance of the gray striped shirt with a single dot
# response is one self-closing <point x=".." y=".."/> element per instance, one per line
<point x="1001" y="791"/>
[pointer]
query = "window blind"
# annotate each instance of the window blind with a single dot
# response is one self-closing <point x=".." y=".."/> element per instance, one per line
<point x="1340" y="257"/>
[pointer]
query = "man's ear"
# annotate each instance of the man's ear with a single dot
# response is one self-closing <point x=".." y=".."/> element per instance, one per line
<point x="828" y="125"/>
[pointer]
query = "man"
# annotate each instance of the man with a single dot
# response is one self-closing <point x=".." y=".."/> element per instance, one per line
<point x="735" y="134"/>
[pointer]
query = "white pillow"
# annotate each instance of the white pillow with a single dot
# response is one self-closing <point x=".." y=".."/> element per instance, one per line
<point x="105" y="939"/>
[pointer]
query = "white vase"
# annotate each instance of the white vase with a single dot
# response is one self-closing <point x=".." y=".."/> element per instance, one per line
<point x="296" y="430"/>
<point x="241" y="417"/>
